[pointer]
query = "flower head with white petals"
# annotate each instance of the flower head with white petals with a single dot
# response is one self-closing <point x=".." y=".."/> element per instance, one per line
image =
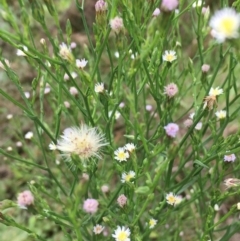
<point x="169" y="56"/>
<point x="152" y="223"/>
<point x="99" y="88"/>
<point x="121" y="154"/>
<point x="98" y="229"/>
<point x="121" y="234"/>
<point x="221" y="114"/>
<point x="225" y="24"/>
<point x="81" y="63"/>
<point x="127" y="177"/>
<point x="215" y="92"/>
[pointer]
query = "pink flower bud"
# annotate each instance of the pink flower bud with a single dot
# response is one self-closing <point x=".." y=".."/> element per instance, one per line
<point x="90" y="205"/>
<point x="122" y="200"/>
<point x="25" y="199"/>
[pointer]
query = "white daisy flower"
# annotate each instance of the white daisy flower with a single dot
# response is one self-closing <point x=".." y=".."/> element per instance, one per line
<point x="98" y="229"/>
<point x="225" y="24"/>
<point x="169" y="56"/>
<point x="215" y="92"/>
<point x="130" y="147"/>
<point x="126" y="177"/>
<point x="99" y="88"/>
<point x="221" y="114"/>
<point x="121" y="154"/>
<point x="152" y="223"/>
<point x="121" y="234"/>
<point x="81" y="63"/>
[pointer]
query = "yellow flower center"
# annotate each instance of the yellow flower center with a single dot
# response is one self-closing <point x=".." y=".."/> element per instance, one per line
<point x="169" y="57"/>
<point x="171" y="199"/>
<point x="128" y="177"/>
<point x="122" y="236"/>
<point x="227" y="26"/>
<point x="121" y="155"/>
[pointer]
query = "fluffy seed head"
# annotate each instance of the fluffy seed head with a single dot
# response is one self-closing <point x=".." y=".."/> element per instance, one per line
<point x="83" y="141"/>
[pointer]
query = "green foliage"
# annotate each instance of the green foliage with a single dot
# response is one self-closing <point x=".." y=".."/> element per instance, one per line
<point x="127" y="92"/>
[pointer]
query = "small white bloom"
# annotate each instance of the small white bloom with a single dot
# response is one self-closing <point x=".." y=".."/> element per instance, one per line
<point x="73" y="75"/>
<point x="121" y="154"/>
<point x="130" y="147"/>
<point x="9" y="148"/>
<point x="65" y="52"/>
<point x="192" y="115"/>
<point x="73" y="91"/>
<point x="238" y="206"/>
<point x="198" y="126"/>
<point x="116" y="54"/>
<point x="169" y="56"/>
<point x="149" y="107"/>
<point x="97" y="229"/>
<point x="221" y="114"/>
<point x="47" y="89"/>
<point x="22" y="53"/>
<point x="9" y="116"/>
<point x="216" y="207"/>
<point x="66" y="104"/>
<point x="173" y="199"/>
<point x="225" y="24"/>
<point x="52" y="146"/>
<point x="27" y="95"/>
<point x="28" y="135"/>
<point x="73" y="45"/>
<point x="83" y="141"/>
<point x="81" y="63"/>
<point x="152" y="223"/>
<point x="156" y="12"/>
<point x="6" y="62"/>
<point x="19" y="144"/>
<point x="127" y="177"/>
<point x="197" y="3"/>
<point x="116" y="114"/>
<point x="99" y="88"/>
<point x="121" y="234"/>
<point x="215" y="92"/>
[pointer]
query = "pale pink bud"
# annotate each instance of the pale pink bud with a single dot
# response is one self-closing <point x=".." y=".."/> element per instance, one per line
<point x="25" y="199"/>
<point x="171" y="129"/>
<point x="73" y="91"/>
<point x="90" y="205"/>
<point x="100" y="6"/>
<point x="149" y="107"/>
<point x="105" y="188"/>
<point x="188" y="123"/>
<point x="116" y="24"/>
<point x="230" y="158"/>
<point x="205" y="68"/>
<point x="169" y="5"/>
<point x="85" y="176"/>
<point x="156" y="12"/>
<point x="171" y="90"/>
<point x="73" y="45"/>
<point x="122" y="200"/>
<point x="66" y="104"/>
